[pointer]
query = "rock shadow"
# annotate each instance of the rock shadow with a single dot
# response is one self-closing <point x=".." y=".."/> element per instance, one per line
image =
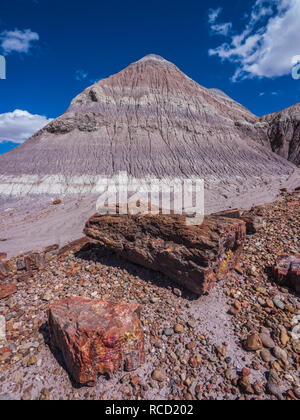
<point x="94" y="252"/>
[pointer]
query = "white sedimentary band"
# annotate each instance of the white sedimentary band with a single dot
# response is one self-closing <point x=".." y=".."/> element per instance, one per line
<point x="174" y="193"/>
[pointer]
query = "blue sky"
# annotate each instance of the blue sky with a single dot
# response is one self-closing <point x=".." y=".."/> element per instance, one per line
<point x="55" y="49"/>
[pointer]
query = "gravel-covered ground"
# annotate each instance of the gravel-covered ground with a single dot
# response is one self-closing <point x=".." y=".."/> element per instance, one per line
<point x="195" y="347"/>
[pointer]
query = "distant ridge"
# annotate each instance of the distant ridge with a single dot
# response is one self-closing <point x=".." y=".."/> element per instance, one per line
<point x="284" y="133"/>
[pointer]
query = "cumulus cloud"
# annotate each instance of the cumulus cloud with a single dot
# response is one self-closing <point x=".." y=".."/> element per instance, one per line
<point x="17" y="41"/>
<point x="17" y="126"/>
<point x="269" y="42"/>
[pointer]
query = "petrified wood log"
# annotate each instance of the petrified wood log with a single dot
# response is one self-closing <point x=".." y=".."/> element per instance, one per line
<point x="287" y="271"/>
<point x="96" y="337"/>
<point x="193" y="256"/>
<point x="7" y="290"/>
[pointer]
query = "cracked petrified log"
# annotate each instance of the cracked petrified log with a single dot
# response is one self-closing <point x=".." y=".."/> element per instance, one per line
<point x="287" y="271"/>
<point x="253" y="222"/>
<point x="96" y="337"/>
<point x="193" y="256"/>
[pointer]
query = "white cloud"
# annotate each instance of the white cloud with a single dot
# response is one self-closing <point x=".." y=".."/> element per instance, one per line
<point x="222" y="29"/>
<point x="213" y="14"/>
<point x="81" y="75"/>
<point x="268" y="43"/>
<point x="17" y="41"/>
<point x="17" y="126"/>
<point x="218" y="28"/>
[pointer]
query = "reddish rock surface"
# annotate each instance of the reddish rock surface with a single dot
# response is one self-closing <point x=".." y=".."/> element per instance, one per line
<point x="3" y="256"/>
<point x="287" y="271"/>
<point x="7" y="290"/>
<point x="96" y="337"/>
<point x="193" y="256"/>
<point x="74" y="246"/>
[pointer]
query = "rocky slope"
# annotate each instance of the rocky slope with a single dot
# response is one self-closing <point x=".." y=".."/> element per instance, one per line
<point x="149" y="119"/>
<point x="284" y="133"/>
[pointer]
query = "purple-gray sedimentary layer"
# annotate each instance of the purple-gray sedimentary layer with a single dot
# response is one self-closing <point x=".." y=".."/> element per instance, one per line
<point x="149" y="119"/>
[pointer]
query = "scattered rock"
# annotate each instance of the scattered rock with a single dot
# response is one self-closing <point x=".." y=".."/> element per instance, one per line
<point x="279" y="304"/>
<point x="267" y="341"/>
<point x="158" y="375"/>
<point x="253" y="342"/>
<point x="296" y="332"/>
<point x="266" y="355"/>
<point x="273" y="385"/>
<point x="168" y="332"/>
<point x="284" y="338"/>
<point x="279" y="353"/>
<point x="178" y="328"/>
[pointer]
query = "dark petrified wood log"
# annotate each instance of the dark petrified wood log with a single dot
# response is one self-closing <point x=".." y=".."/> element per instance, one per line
<point x="193" y="256"/>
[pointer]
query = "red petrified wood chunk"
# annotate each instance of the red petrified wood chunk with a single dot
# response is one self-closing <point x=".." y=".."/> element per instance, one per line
<point x="56" y="202"/>
<point x="7" y="290"/>
<point x="193" y="256"/>
<point x="96" y="337"/>
<point x="287" y="271"/>
<point x="31" y="262"/>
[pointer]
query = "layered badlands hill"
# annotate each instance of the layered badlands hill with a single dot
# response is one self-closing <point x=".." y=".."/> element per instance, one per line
<point x="284" y="132"/>
<point x="149" y="120"/>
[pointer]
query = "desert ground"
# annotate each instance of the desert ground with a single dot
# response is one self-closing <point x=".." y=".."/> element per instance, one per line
<point x="239" y="342"/>
<point x="33" y="222"/>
